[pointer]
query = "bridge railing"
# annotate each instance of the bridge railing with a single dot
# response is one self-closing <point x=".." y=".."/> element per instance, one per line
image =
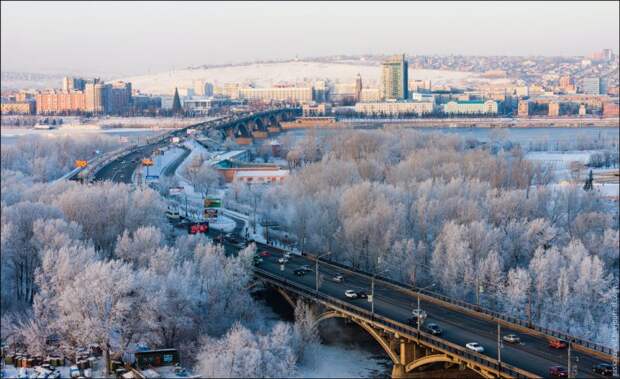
<point x="476" y="308"/>
<point x="401" y="328"/>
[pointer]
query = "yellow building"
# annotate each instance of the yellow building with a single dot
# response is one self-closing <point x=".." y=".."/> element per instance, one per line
<point x="21" y="107"/>
<point x="554" y="109"/>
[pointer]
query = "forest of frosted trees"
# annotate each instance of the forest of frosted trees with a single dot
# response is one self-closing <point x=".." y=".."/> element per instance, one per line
<point x="478" y="220"/>
<point x="429" y="208"/>
<point x="98" y="264"/>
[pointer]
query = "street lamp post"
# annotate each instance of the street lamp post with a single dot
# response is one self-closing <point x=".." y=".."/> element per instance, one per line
<point x="418" y="315"/>
<point x="499" y="345"/>
<point x="316" y="280"/>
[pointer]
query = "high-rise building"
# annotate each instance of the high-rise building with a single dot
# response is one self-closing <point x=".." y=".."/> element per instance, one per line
<point x="554" y="109"/>
<point x="358" y="87"/>
<point x="593" y="86"/>
<point x="395" y="78"/>
<point x="199" y="87"/>
<point x="203" y="88"/>
<point x="70" y="84"/>
<point x="523" y="109"/>
<point x="78" y="95"/>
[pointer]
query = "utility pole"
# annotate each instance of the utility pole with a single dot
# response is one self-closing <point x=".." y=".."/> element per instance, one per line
<point x="477" y="290"/>
<point x="372" y="296"/>
<point x="499" y="346"/>
<point x="529" y="306"/>
<point x="186" y="214"/>
<point x="418" y="316"/>
<point x="316" y="280"/>
<point x="570" y="371"/>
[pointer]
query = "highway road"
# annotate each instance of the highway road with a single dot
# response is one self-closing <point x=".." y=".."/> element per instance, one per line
<point x="122" y="169"/>
<point x="532" y="354"/>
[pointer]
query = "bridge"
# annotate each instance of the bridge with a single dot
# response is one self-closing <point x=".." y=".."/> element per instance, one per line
<point x="412" y="351"/>
<point x="243" y="128"/>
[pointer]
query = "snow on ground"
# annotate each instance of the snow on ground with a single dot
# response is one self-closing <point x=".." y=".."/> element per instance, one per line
<point x="160" y="162"/>
<point x="341" y="361"/>
<point x="266" y="74"/>
<point x="560" y="159"/>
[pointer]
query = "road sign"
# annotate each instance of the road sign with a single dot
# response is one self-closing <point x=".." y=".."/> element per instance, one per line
<point x="81" y="163"/>
<point x="210" y="213"/>
<point x="152" y="177"/>
<point x="213" y="203"/>
<point x="147" y="162"/>
<point x="370" y="298"/>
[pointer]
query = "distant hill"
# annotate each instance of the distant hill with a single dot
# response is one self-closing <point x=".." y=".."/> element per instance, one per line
<point x="266" y="74"/>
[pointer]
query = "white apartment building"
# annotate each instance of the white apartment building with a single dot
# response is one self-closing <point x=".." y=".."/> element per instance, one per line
<point x="395" y="108"/>
<point x="292" y="94"/>
<point x="471" y="107"/>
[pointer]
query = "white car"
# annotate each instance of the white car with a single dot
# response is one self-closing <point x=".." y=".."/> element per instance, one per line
<point x="338" y="278"/>
<point x="283" y="260"/>
<point x="287" y="255"/>
<point x="512" y="338"/>
<point x="419" y="313"/>
<point x="350" y="293"/>
<point x="475" y="346"/>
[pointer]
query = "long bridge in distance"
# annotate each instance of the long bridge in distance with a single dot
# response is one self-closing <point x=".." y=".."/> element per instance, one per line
<point x="410" y="349"/>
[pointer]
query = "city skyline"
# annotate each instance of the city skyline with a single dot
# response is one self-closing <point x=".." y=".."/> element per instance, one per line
<point x="196" y="33"/>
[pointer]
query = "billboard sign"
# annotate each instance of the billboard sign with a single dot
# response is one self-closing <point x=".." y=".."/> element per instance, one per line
<point x="81" y="163"/>
<point x="198" y="227"/>
<point x="213" y="202"/>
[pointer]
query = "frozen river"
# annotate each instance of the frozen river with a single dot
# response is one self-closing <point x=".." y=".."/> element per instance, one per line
<point x="11" y="135"/>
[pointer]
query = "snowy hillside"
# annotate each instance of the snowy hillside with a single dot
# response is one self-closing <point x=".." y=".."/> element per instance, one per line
<point x="292" y="72"/>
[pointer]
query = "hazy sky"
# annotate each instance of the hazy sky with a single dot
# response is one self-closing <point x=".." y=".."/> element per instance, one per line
<point x="132" y="38"/>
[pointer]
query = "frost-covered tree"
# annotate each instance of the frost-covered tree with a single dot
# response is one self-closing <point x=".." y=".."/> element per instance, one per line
<point x="95" y="307"/>
<point x="241" y="353"/>
<point x="138" y="247"/>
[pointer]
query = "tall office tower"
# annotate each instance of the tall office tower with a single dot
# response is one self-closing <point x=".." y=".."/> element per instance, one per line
<point x="395" y="78"/>
<point x="358" y="88"/>
<point x="199" y="87"/>
<point x="67" y="83"/>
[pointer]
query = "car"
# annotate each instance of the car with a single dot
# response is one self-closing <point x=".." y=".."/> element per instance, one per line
<point x="264" y="254"/>
<point x="557" y="343"/>
<point x="300" y="272"/>
<point x="419" y="313"/>
<point x="338" y="278"/>
<point x="282" y="260"/>
<point x="433" y="329"/>
<point x="558" y="371"/>
<point x="475" y="346"/>
<point x="257" y="260"/>
<point x="604" y="369"/>
<point x="287" y="254"/>
<point x="306" y="267"/>
<point x="350" y="294"/>
<point x="511" y="338"/>
<point x="362" y="295"/>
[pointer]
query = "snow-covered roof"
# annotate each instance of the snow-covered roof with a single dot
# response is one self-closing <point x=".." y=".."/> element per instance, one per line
<point x="261" y="173"/>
